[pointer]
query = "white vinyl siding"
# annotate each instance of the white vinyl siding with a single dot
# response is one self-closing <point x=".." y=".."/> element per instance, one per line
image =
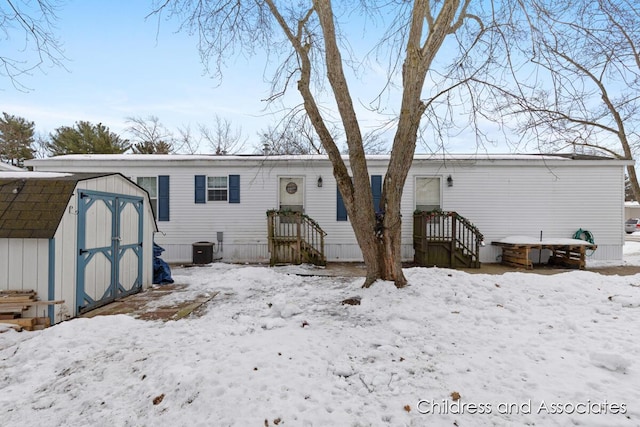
<point x="24" y="266"/>
<point x="516" y="195"/>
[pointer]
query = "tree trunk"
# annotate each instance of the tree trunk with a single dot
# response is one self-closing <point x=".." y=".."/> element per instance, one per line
<point x="633" y="179"/>
<point x="379" y="240"/>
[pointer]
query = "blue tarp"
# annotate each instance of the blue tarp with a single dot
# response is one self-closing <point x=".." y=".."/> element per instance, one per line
<point x="161" y="270"/>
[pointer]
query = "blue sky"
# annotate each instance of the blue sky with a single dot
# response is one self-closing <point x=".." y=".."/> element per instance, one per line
<point x="122" y="65"/>
<point x="119" y="65"/>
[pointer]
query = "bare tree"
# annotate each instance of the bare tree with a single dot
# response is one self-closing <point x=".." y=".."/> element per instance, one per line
<point x="27" y="32"/>
<point x="373" y="143"/>
<point x="311" y="34"/>
<point x="296" y="135"/>
<point x="292" y="135"/>
<point x="586" y="90"/>
<point x="186" y="142"/>
<point x="222" y="138"/>
<point x="40" y="145"/>
<point x="149" y="136"/>
<point x="307" y="36"/>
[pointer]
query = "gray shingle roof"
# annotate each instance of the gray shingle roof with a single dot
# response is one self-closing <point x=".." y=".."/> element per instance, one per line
<point x="33" y="207"/>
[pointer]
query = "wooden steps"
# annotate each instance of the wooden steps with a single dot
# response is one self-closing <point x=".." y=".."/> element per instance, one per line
<point x="294" y="238"/>
<point x="445" y="239"/>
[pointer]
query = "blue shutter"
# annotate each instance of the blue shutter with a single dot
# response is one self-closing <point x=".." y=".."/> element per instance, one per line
<point x="376" y="191"/>
<point x="234" y="188"/>
<point x="341" y="210"/>
<point x="163" y="198"/>
<point x="201" y="188"/>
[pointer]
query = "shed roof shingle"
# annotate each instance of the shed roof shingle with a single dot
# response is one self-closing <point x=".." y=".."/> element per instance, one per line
<point x="33" y="207"/>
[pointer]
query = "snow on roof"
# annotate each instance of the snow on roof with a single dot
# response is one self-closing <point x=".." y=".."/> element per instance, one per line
<point x="246" y="157"/>
<point x="8" y="167"/>
<point x="28" y="175"/>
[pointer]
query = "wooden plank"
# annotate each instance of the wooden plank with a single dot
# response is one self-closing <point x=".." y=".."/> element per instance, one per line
<point x="29" y="303"/>
<point x="12" y="308"/>
<point x="572" y="257"/>
<point x="17" y="291"/>
<point x="517" y="261"/>
<point x="41" y="323"/>
<point x="8" y="316"/>
<point x="17" y="294"/>
<point x="25" y="322"/>
<point x="15" y="300"/>
<point x="518" y="245"/>
<point x="517" y="256"/>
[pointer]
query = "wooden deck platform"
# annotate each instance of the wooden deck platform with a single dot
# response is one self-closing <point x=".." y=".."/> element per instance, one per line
<point x="564" y="252"/>
<point x="145" y="305"/>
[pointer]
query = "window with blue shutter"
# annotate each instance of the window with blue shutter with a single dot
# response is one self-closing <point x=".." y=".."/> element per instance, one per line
<point x="341" y="210"/>
<point x="200" y="188"/>
<point x="234" y="188"/>
<point x="163" y="198"/>
<point x="376" y="191"/>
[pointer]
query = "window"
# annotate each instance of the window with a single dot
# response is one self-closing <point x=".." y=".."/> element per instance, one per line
<point x="427" y="193"/>
<point x="150" y="183"/>
<point x="216" y="188"/>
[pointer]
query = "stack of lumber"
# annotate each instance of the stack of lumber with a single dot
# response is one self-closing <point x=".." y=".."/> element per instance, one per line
<point x="14" y="303"/>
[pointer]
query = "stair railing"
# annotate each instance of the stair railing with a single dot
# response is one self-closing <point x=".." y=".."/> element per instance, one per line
<point x="294" y="238"/>
<point x="442" y="226"/>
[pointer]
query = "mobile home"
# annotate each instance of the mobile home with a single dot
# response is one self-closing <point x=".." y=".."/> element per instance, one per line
<point x="223" y="200"/>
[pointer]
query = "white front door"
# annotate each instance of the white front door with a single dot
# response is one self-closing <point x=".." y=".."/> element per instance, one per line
<point x="292" y="194"/>
<point x="427" y="195"/>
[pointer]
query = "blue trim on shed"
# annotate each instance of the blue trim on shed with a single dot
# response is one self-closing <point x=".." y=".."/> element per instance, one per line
<point x="114" y="252"/>
<point x="51" y="279"/>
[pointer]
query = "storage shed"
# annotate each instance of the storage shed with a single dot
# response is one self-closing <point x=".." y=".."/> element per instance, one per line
<point x="83" y="238"/>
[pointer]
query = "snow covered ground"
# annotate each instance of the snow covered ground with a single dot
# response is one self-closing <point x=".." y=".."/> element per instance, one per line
<point x="276" y="348"/>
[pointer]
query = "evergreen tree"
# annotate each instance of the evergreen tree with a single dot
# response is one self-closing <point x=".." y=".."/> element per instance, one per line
<point x="16" y="139"/>
<point x="86" y="138"/>
<point x="149" y="147"/>
<point x="144" y="147"/>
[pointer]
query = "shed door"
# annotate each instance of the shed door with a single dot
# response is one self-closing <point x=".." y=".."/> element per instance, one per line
<point x="110" y="234"/>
